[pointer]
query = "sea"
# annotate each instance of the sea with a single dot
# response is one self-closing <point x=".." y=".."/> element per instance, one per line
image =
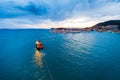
<point x="72" y="56"/>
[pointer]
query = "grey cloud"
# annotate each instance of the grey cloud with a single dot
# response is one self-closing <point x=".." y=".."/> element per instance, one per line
<point x="38" y="11"/>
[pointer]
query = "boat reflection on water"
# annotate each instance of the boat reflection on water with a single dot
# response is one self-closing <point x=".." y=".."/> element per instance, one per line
<point x="38" y="58"/>
<point x="39" y="69"/>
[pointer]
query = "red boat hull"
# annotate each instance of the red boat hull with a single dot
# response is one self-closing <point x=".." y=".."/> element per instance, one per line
<point x="39" y="47"/>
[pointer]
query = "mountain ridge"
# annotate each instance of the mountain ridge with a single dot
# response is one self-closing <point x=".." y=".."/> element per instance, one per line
<point x="110" y="22"/>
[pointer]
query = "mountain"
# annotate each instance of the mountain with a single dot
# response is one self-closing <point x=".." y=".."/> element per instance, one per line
<point x="107" y="26"/>
<point x="110" y="23"/>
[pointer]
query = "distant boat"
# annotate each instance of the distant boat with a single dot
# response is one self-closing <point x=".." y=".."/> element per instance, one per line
<point x="39" y="45"/>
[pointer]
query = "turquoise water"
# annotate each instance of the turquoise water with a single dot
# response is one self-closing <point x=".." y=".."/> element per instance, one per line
<point x="82" y="56"/>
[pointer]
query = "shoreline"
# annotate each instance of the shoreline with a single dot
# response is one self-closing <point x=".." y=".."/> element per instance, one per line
<point x="79" y="30"/>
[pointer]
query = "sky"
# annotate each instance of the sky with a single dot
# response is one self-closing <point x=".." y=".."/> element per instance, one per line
<point x="17" y="14"/>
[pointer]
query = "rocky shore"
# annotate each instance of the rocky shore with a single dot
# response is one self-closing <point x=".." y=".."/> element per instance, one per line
<point x="108" y="26"/>
<point x="70" y="30"/>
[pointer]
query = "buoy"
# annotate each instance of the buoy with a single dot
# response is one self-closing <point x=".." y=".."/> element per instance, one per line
<point x="39" y="45"/>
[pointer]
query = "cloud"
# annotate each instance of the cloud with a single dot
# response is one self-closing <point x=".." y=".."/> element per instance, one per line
<point x="56" y="13"/>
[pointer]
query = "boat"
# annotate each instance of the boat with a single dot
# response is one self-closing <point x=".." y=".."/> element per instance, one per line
<point x="39" y="45"/>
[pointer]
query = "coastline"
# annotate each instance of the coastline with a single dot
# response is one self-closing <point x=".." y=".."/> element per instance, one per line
<point x="79" y="30"/>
